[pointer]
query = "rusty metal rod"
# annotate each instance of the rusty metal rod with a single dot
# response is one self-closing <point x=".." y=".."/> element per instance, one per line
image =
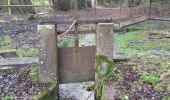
<point x="70" y="27"/>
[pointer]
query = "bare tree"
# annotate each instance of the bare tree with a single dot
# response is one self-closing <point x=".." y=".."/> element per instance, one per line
<point x="134" y="2"/>
<point x="62" y="4"/>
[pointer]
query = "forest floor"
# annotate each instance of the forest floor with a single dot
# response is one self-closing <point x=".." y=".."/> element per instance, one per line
<point x="149" y="50"/>
<point x="148" y="47"/>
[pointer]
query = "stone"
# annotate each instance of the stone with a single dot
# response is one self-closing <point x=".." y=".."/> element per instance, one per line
<point x="1" y="77"/>
<point x="165" y="76"/>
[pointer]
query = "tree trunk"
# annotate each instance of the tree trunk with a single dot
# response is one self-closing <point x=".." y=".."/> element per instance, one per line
<point x="134" y="3"/>
<point x="63" y="5"/>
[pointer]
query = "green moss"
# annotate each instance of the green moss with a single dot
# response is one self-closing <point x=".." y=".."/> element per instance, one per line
<point x="45" y="95"/>
<point x="105" y="71"/>
<point x="50" y="95"/>
<point x="165" y="98"/>
<point x="33" y="52"/>
<point x="8" y="98"/>
<point x="150" y="79"/>
<point x="131" y="29"/>
<point x="6" y="42"/>
<point x="101" y="59"/>
<point x="134" y="41"/>
<point x="7" y="50"/>
<point x="32" y="17"/>
<point x="159" y="87"/>
<point x="34" y="75"/>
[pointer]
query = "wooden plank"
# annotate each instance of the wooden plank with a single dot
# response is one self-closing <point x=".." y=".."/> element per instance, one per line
<point x="160" y="19"/>
<point x="80" y="32"/>
<point x="129" y="23"/>
<point x="18" y="62"/>
<point x="87" y="21"/>
<point x="76" y="66"/>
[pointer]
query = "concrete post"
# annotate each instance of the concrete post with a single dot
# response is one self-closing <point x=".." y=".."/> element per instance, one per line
<point x="48" y="53"/>
<point x="104" y="49"/>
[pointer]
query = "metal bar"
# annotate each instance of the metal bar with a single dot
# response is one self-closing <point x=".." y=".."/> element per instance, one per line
<point x="93" y="21"/>
<point x="76" y="31"/>
<point x="80" y="32"/>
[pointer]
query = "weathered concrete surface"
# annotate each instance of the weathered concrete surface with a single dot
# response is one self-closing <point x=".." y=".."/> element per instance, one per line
<point x="129" y="23"/>
<point x="76" y="91"/>
<point x="48" y="53"/>
<point x="104" y="40"/>
<point x="104" y="46"/>
<point x="17" y="62"/>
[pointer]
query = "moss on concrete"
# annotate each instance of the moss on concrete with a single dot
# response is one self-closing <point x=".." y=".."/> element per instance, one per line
<point x="104" y="65"/>
<point x="7" y="50"/>
<point x="104" y="70"/>
<point x="50" y="95"/>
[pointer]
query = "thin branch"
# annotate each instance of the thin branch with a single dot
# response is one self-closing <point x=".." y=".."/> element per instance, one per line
<point x="71" y="26"/>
